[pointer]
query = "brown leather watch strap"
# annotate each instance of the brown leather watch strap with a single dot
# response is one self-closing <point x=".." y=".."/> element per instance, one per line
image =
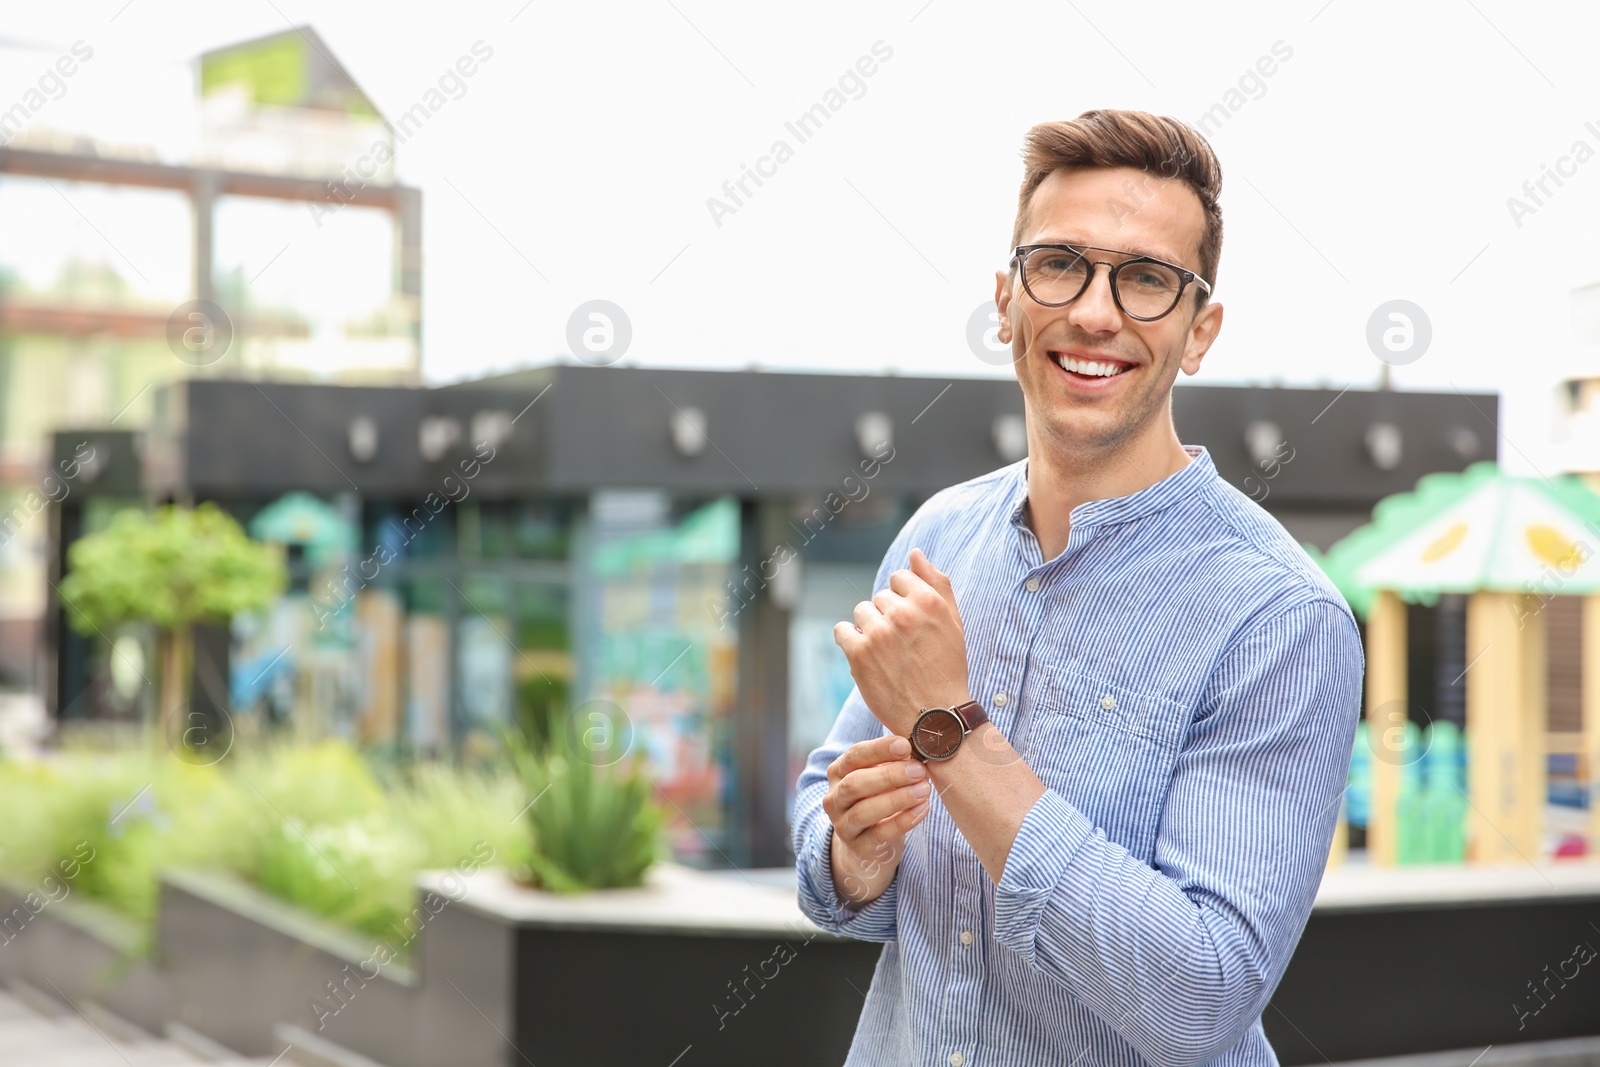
<point x="971" y="714"/>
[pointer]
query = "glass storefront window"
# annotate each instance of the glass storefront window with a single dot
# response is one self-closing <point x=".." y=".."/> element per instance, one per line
<point x="653" y="658"/>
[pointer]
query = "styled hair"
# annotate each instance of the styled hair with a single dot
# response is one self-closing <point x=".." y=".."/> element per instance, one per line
<point x="1154" y="144"/>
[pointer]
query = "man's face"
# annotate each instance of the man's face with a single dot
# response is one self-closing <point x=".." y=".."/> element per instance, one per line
<point x="1128" y="210"/>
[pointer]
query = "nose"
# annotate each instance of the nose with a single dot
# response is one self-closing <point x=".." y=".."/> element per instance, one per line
<point x="1095" y="310"/>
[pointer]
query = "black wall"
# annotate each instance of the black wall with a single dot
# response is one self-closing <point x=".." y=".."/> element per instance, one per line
<point x="665" y="993"/>
<point x="1448" y="976"/>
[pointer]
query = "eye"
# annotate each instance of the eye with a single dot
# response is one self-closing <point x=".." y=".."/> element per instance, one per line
<point x="1149" y="276"/>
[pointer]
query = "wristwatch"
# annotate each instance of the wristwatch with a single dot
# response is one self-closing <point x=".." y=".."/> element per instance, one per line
<point x="938" y="732"/>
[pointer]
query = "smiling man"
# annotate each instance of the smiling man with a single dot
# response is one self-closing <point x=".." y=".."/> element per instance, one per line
<point x="1085" y="786"/>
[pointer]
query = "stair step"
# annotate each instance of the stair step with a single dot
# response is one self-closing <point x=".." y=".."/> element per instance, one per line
<point x="38" y="1029"/>
<point x="37" y="999"/>
<point x="308" y="1050"/>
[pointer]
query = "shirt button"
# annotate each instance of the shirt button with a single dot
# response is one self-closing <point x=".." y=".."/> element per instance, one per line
<point x="1033" y="585"/>
<point x="999" y="700"/>
<point x="1108" y="702"/>
<point x="966" y="937"/>
<point x="957" y="1059"/>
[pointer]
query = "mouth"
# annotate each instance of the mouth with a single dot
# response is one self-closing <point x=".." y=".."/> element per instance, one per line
<point x="1090" y="370"/>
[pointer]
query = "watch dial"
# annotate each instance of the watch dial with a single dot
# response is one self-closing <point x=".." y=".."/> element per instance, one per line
<point x="938" y="733"/>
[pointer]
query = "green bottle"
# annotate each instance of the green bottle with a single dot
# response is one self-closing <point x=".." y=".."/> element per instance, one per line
<point x="1411" y="840"/>
<point x="1447" y="794"/>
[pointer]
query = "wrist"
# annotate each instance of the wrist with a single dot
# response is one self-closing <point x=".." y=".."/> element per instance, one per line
<point x="856" y="888"/>
<point x="973" y="749"/>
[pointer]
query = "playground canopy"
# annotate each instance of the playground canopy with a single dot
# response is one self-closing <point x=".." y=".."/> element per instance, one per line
<point x="1509" y="543"/>
<point x="1478" y="530"/>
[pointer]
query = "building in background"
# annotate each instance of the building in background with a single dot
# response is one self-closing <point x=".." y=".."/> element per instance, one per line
<point x="228" y="241"/>
<point x="1578" y="396"/>
<point x="661" y="554"/>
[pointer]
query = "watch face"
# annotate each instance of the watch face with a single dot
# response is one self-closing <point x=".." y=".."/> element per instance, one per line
<point x="937" y="733"/>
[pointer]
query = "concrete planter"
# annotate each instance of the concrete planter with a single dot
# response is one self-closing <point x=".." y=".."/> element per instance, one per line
<point x="500" y="974"/>
<point x="696" y="969"/>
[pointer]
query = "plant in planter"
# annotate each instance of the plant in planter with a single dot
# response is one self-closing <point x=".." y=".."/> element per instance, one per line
<point x="173" y="567"/>
<point x="313" y="825"/>
<point x="591" y="826"/>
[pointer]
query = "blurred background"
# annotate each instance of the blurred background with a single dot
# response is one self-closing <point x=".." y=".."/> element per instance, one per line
<point x="384" y="387"/>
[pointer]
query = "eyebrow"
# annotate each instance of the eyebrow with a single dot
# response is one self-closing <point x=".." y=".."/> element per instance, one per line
<point x="1135" y="250"/>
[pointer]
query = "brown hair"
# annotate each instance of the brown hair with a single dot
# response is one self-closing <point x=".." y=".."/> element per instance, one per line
<point x="1154" y="144"/>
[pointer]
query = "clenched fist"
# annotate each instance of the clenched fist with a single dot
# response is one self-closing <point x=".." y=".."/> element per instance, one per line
<point x="906" y="647"/>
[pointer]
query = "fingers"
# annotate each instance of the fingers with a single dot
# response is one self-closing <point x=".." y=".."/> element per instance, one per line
<point x="858" y="787"/>
<point x="850" y="635"/>
<point x="923" y="568"/>
<point x="872" y="781"/>
<point x="867" y="616"/>
<point x="868" y="782"/>
<point x="903" y="822"/>
<point x="885" y="749"/>
<point x="905" y="583"/>
<point x="921" y="581"/>
<point x="862" y="816"/>
<point x="847" y="637"/>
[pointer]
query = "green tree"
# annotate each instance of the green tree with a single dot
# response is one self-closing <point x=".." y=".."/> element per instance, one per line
<point x="173" y="568"/>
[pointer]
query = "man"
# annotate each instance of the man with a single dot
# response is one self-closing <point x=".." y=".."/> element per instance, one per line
<point x="1128" y="823"/>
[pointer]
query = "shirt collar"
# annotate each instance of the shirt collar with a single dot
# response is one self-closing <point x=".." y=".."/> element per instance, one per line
<point x="1152" y="498"/>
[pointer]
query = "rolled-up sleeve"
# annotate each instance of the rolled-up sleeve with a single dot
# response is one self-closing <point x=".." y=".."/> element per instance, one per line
<point x="1050" y="836"/>
<point x="1182" y="955"/>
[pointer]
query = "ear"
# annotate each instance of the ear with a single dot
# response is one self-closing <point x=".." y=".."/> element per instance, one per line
<point x="1202" y="332"/>
<point x="1002" y="300"/>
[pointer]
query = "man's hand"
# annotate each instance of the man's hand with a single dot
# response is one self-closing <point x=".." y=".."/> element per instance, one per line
<point x="907" y="650"/>
<point x="876" y="794"/>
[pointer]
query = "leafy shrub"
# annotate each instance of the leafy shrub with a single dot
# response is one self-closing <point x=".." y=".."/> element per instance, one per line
<point x="590" y="827"/>
<point x="357" y="872"/>
<point x="311" y="824"/>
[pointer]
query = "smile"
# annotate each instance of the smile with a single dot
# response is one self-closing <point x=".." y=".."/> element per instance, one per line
<point x="1086" y="368"/>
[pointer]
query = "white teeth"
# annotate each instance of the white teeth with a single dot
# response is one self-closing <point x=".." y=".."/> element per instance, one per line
<point x="1092" y="368"/>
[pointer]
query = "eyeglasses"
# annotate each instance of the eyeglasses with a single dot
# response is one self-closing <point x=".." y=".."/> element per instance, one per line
<point x="1144" y="288"/>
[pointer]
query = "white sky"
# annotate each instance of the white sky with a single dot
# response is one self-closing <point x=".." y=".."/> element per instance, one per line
<point x="1376" y="165"/>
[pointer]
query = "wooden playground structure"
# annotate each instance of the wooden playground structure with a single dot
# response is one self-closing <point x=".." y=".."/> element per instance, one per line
<point x="1510" y="545"/>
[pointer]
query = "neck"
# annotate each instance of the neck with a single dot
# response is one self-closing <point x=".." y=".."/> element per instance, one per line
<point x="1062" y="476"/>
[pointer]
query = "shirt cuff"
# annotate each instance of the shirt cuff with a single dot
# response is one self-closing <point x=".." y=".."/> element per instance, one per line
<point x="1050" y="834"/>
<point x="819" y="898"/>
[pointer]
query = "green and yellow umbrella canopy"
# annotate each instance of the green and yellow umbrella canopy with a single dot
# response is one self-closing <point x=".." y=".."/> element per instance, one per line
<point x="298" y="518"/>
<point x="1480" y="529"/>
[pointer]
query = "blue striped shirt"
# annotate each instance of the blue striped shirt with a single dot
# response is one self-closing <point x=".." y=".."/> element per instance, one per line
<point x="1186" y="683"/>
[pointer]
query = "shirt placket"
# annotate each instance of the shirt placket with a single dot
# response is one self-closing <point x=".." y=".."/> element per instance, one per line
<point x="966" y="932"/>
<point x="1029" y="606"/>
<point x="964" y="994"/>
